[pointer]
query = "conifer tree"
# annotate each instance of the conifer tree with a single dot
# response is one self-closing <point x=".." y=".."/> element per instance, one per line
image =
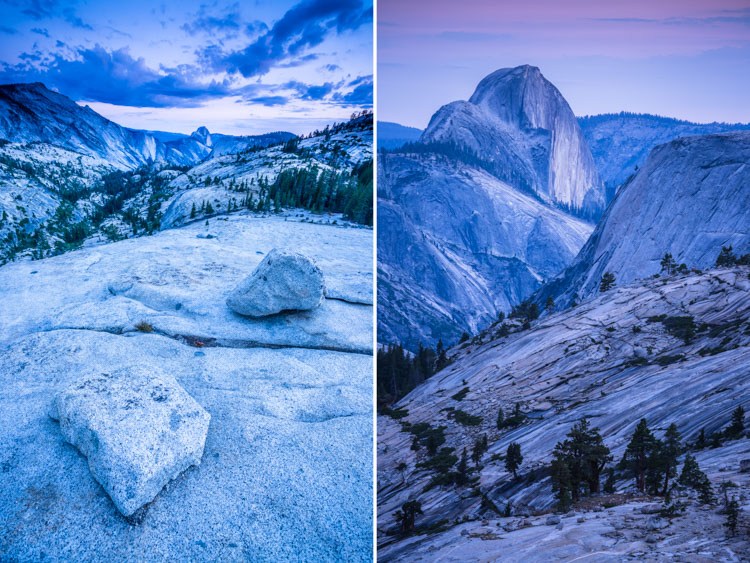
<point x="549" y="305"/>
<point x="726" y="257"/>
<point x="513" y="458"/>
<point x="462" y="470"/>
<point x="670" y="451"/>
<point x="607" y="283"/>
<point x="639" y="453"/>
<point x="609" y="484"/>
<point x="407" y="515"/>
<point x="701" y="443"/>
<point x="737" y="426"/>
<point x="733" y="514"/>
<point x="693" y="477"/>
<point x="500" y="419"/>
<point x="584" y="456"/>
<point x="668" y="264"/>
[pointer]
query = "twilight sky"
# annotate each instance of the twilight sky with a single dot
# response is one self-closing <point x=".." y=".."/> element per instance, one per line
<point x="681" y="58"/>
<point x="240" y="67"/>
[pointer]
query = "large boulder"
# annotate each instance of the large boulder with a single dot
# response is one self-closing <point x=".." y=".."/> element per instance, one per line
<point x="283" y="281"/>
<point x="137" y="430"/>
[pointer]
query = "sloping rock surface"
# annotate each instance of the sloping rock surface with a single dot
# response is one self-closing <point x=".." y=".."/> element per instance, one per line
<point x="690" y="198"/>
<point x="286" y="472"/>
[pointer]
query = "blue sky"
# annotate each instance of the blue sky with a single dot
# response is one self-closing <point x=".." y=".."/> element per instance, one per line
<point x="682" y="58"/>
<point x="236" y="67"/>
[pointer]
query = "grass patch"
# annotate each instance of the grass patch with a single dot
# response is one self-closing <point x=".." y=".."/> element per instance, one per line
<point x="463" y="417"/>
<point x="461" y="394"/>
<point x="667" y="360"/>
<point x="440" y="462"/>
<point x="427" y="436"/>
<point x="395" y="414"/>
<point x="680" y="327"/>
<point x="143" y="326"/>
<point x="636" y="361"/>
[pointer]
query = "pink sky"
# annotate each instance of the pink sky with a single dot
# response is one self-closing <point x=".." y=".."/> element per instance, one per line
<point x="689" y="59"/>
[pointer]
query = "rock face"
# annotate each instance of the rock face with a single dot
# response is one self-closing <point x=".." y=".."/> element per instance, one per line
<point x="482" y="212"/>
<point x="690" y="198"/>
<point x="521" y="124"/>
<point x="456" y="245"/>
<point x="620" y="143"/>
<point x="138" y="432"/>
<point x="283" y="281"/>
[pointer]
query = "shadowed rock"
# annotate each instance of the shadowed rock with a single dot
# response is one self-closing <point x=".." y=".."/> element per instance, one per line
<point x="283" y="281"/>
<point x="137" y="430"/>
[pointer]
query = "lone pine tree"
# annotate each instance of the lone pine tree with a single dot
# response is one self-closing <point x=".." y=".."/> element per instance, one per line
<point x="407" y="515"/>
<point x="513" y="458"/>
<point x="607" y="283"/>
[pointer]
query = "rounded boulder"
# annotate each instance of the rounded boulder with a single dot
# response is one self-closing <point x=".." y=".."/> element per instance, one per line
<point x="284" y="281"/>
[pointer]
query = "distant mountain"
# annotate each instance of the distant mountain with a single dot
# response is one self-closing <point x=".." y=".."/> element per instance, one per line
<point x="392" y="135"/>
<point x="32" y="113"/>
<point x="690" y="198"/>
<point x="621" y="142"/>
<point x="472" y="219"/>
<point x="521" y="126"/>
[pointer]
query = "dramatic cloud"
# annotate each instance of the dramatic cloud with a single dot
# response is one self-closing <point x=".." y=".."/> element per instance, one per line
<point x="227" y="25"/>
<point x="116" y="78"/>
<point x="245" y="64"/>
<point x="304" y="26"/>
<point x="361" y="95"/>
<point x="270" y="101"/>
<point x="310" y="91"/>
<point x="38" y="10"/>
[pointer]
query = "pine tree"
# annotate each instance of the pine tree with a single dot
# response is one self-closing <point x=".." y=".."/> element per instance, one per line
<point x="513" y="458"/>
<point x="733" y="514"/>
<point x="584" y="454"/>
<point x="561" y="481"/>
<point x="737" y="426"/>
<point x="726" y="257"/>
<point x="500" y="419"/>
<point x="442" y="358"/>
<point x="193" y="211"/>
<point x="609" y="484"/>
<point x="480" y="447"/>
<point x="607" y="283"/>
<point x="668" y="264"/>
<point x="670" y="451"/>
<point x="694" y="478"/>
<point x="549" y="305"/>
<point x="639" y="453"/>
<point x="462" y="470"/>
<point x="407" y="515"/>
<point x="701" y="443"/>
